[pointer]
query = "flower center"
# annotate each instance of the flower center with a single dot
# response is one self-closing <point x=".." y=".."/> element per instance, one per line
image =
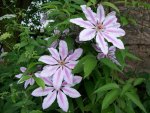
<point x="100" y="26"/>
<point x="62" y="62"/>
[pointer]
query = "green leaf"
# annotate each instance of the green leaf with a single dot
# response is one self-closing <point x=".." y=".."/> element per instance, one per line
<point x="125" y="88"/>
<point x="135" y="99"/>
<point x="107" y="87"/>
<point x="110" y="97"/>
<point x="89" y="65"/>
<point x="36" y="111"/>
<point x="110" y="64"/>
<point x="117" y="109"/>
<point x="80" y="104"/>
<point x="132" y="56"/>
<point x="24" y="78"/>
<point x="138" y="81"/>
<point x="111" y="5"/>
<point x="40" y="82"/>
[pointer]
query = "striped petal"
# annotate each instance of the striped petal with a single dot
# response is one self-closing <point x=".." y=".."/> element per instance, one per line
<point x="100" y="13"/>
<point x="77" y="79"/>
<point x="47" y="102"/>
<point x="109" y="20"/>
<point x="116" y="42"/>
<point x="63" y="49"/>
<point x="76" y="54"/>
<point x="48" y="60"/>
<point x="41" y="92"/>
<point x="62" y="101"/>
<point x="71" y="64"/>
<point x="58" y="78"/>
<point x="71" y="92"/>
<point x="68" y="77"/>
<point x="101" y="43"/>
<point x="54" y="53"/>
<point x="87" y="34"/>
<point x="49" y="71"/>
<point x="18" y="76"/>
<point x="81" y="23"/>
<point x="90" y="15"/>
<point x="117" y="31"/>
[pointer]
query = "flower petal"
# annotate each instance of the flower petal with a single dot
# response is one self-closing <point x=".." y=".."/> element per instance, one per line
<point x="31" y="81"/>
<point x="58" y="78"/>
<point x="116" y="42"/>
<point x="101" y="43"/>
<point x="23" y="69"/>
<point x="48" y="60"/>
<point x="71" y="64"/>
<point x="47" y="81"/>
<point x="68" y="77"/>
<point x="63" y="49"/>
<point x="109" y="20"/>
<point x="27" y="82"/>
<point x="117" y="31"/>
<point x="54" y="53"/>
<point x="77" y="79"/>
<point x="18" y="76"/>
<point x="100" y="55"/>
<point x="90" y="15"/>
<point x="100" y="13"/>
<point x="47" y="102"/>
<point x="76" y="54"/>
<point x="71" y="92"/>
<point x="62" y="101"/>
<point x="49" y="71"/>
<point x="82" y="23"/>
<point x="87" y="34"/>
<point x="41" y="92"/>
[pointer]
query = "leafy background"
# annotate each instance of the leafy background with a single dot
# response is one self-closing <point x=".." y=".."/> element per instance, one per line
<point x="106" y="88"/>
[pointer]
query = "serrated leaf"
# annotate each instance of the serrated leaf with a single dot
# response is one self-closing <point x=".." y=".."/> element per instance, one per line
<point x="135" y="99"/>
<point x="107" y="87"/>
<point x="40" y="82"/>
<point x="89" y="66"/>
<point x="110" y="97"/>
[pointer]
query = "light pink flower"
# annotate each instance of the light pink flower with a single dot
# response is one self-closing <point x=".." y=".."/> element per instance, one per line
<point x="100" y="26"/>
<point x="52" y="93"/>
<point x="27" y="82"/>
<point x="110" y="54"/>
<point x="60" y="64"/>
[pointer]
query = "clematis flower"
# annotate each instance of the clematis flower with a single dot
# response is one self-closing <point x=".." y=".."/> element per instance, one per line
<point x="60" y="64"/>
<point x="101" y="26"/>
<point x="51" y="92"/>
<point x="110" y="55"/>
<point x="27" y="82"/>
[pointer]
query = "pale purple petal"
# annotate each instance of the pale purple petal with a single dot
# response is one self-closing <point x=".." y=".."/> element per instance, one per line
<point x="41" y="92"/>
<point x="63" y="49"/>
<point x="48" y="60"/>
<point x="77" y="79"/>
<point x="62" y="101"/>
<point x="54" y="53"/>
<point x="58" y="78"/>
<point x="82" y="23"/>
<point x="90" y="15"/>
<point x="101" y="43"/>
<point x="117" y="31"/>
<point x="47" y="81"/>
<point x="23" y="69"/>
<point x="76" y="54"/>
<point x="49" y="71"/>
<point x="100" y="55"/>
<point x="71" y="92"/>
<point x="116" y="42"/>
<point x="95" y="46"/>
<point x="68" y="77"/>
<point x="18" y="76"/>
<point x="100" y="13"/>
<point x="87" y="34"/>
<point x="31" y="81"/>
<point x="27" y="82"/>
<point x="110" y="19"/>
<point x="47" y="102"/>
<point x="71" y="64"/>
